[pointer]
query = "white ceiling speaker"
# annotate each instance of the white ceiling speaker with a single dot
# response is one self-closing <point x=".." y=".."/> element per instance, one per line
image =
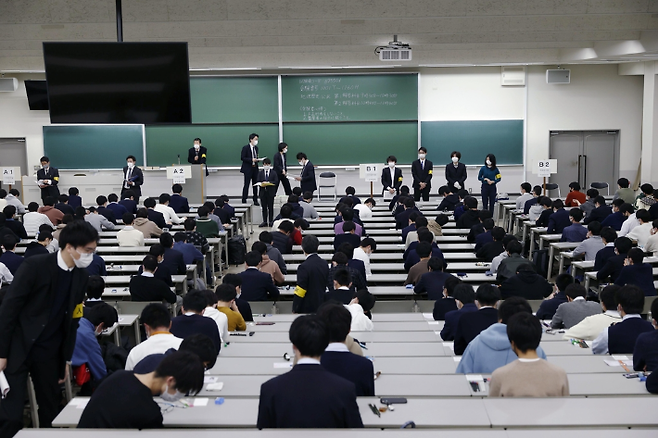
<point x="558" y="76"/>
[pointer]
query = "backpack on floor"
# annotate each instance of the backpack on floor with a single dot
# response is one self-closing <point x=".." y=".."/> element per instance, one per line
<point x="540" y="260"/>
<point x="237" y="249"/>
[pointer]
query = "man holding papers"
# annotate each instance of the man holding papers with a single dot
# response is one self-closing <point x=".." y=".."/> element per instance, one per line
<point x="268" y="181"/>
<point x="249" y="169"/>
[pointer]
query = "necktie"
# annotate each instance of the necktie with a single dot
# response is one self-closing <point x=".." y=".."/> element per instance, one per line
<point x="422" y="164"/>
<point x="130" y="173"/>
<point x="267" y="176"/>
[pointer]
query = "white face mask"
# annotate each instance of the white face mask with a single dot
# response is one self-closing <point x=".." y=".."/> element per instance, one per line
<point x="197" y="146"/>
<point x="488" y="162"/>
<point x="44" y="167"/>
<point x="255" y="142"/>
<point x="267" y="167"/>
<point x="391" y="165"/>
<point x="455" y="160"/>
<point x="168" y="397"/>
<point x="285" y="151"/>
<point x="421" y="156"/>
<point x="131" y="165"/>
<point x="84" y="260"/>
<point x="301" y="163"/>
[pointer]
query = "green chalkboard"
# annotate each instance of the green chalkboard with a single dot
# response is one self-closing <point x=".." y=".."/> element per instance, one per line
<point x="234" y="100"/>
<point x="350" y="98"/>
<point x="224" y="142"/>
<point x="352" y="143"/>
<point x="474" y="139"/>
<point x="93" y="146"/>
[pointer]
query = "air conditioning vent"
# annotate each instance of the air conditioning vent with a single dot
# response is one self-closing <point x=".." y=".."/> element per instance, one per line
<point x="395" y="55"/>
<point x="512" y="76"/>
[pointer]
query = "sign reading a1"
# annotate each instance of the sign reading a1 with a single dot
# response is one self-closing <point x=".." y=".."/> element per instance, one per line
<point x="8" y="176"/>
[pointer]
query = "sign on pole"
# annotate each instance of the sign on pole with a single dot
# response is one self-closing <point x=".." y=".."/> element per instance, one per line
<point x="8" y="176"/>
<point x="370" y="172"/>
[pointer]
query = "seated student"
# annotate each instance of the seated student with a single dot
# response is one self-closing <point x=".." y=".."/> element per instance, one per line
<point x="348" y="235"/>
<point x="588" y="205"/>
<point x="559" y="220"/>
<point x="350" y="192"/>
<point x="87" y="350"/>
<point x="9" y="258"/>
<point x="613" y="266"/>
<point x="125" y="400"/>
<point x="32" y="220"/>
<point x="424" y="251"/>
<point x="471" y="215"/>
<point x="227" y="303"/>
<point x="403" y="192"/>
<point x="156" y="319"/>
<point x="526" y="188"/>
<point x="575" y="232"/>
<point x="199" y="344"/>
<point x="447" y="302"/>
<point x="117" y="209"/>
<point x="645" y="199"/>
<point x="268" y="266"/>
<point x="128" y="201"/>
<point x="432" y="282"/>
<point x="273" y="253"/>
<point x="491" y="349"/>
<point x="461" y="208"/>
<point x="360" y="307"/>
<point x="337" y="358"/>
<point x="297" y="210"/>
<point x="449" y="201"/>
<point x="529" y="375"/>
<point x="592" y="245"/>
<point x="147" y="227"/>
<point x="173" y="260"/>
<point x="220" y="318"/>
<point x="536" y="209"/>
<point x="177" y="201"/>
<point x="128" y="235"/>
<point x="652" y="243"/>
<point x="465" y="300"/>
<point x="146" y="287"/>
<point x="496" y="261"/>
<point x="256" y="285"/>
<point x="617" y="218"/>
<point x="526" y="284"/>
<point x="399" y="205"/>
<point x="402" y="218"/>
<point x="14" y="225"/>
<point x="170" y="216"/>
<point x="509" y="266"/>
<point x="420" y="221"/>
<point x="631" y="219"/>
<point x="363" y="252"/>
<point x="75" y="200"/>
<point x="547" y="211"/>
<point x="434" y="225"/>
<point x="412" y="227"/>
<point x="63" y="205"/>
<point x="536" y="195"/>
<point x="485" y="237"/>
<point x="339" y="262"/>
<point x="620" y="338"/>
<point x="364" y="210"/>
<point x="357" y="264"/>
<point x="641" y="233"/>
<point x="309" y="211"/>
<point x="97" y="266"/>
<point x="472" y="323"/>
<point x="492" y="249"/>
<point x="49" y="210"/>
<point x="204" y="225"/>
<point x="281" y="238"/>
<point x="190" y="252"/>
<point x="194" y="237"/>
<point x="192" y="321"/>
<point x="410" y="255"/>
<point x="592" y="326"/>
<point x="575" y="309"/>
<point x="95" y="289"/>
<point x="600" y="212"/>
<point x="212" y="216"/>
<point x="624" y="191"/>
<point x="552" y="302"/>
<point x="636" y="273"/>
<point x="645" y="353"/>
<point x="153" y="215"/>
<point x="308" y="396"/>
<point x="342" y="290"/>
<point x="44" y="238"/>
<point x="103" y="210"/>
<point x="299" y="226"/>
<point x="224" y="210"/>
<point x="575" y="195"/>
<point x="98" y="221"/>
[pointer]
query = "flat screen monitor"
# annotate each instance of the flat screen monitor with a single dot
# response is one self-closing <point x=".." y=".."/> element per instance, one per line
<point x="37" y="94"/>
<point x="145" y="83"/>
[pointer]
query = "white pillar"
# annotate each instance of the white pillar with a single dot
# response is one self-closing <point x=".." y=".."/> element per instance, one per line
<point x="650" y="124"/>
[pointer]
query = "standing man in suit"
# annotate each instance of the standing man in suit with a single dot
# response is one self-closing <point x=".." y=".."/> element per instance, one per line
<point x="47" y="179"/>
<point x="311" y="278"/>
<point x="38" y="323"/>
<point x="197" y="154"/>
<point x="249" y="169"/>
<point x="267" y="193"/>
<point x="281" y="169"/>
<point x="133" y="178"/>
<point x="308" y="396"/>
<point x="421" y="170"/>
<point x="391" y="176"/>
<point x="307" y="177"/>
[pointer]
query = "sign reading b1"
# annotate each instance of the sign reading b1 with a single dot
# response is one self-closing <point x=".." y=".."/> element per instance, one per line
<point x="370" y="172"/>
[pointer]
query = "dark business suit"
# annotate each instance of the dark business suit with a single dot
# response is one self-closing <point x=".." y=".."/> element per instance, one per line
<point x="432" y="283"/>
<point x="350" y="238"/>
<point x="422" y="173"/>
<point x="470" y="325"/>
<point x="137" y="177"/>
<point x="267" y="194"/>
<point x="198" y="157"/>
<point x="109" y="214"/>
<point x="598" y="214"/>
<point x="30" y="338"/>
<point x="611" y="268"/>
<point x="452" y="319"/>
<point x="442" y="307"/>
<point x="456" y="174"/>
<point x="280" y="164"/>
<point x="490" y="250"/>
<point x="311" y="283"/>
<point x="249" y="169"/>
<point x="257" y="286"/>
<point x="150" y="289"/>
<point x="157" y="217"/>
<point x="558" y="221"/>
<point x="179" y="203"/>
<point x="307" y="184"/>
<point x="50" y="190"/>
<point x="174" y="261"/>
<point x="186" y="325"/>
<point x="638" y="275"/>
<point x="308" y="396"/>
<point x="602" y="257"/>
<point x="349" y="366"/>
<point x="386" y="179"/>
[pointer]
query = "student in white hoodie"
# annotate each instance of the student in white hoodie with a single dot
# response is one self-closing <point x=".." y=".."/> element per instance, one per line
<point x="642" y="232"/>
<point x="589" y="328"/>
<point x="360" y="307"/>
<point x="220" y="318"/>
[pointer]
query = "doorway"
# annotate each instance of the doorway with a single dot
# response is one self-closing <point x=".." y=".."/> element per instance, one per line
<point x="585" y="157"/>
<point x="13" y="153"/>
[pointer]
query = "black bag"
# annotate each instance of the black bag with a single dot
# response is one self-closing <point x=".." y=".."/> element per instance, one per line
<point x="237" y="249"/>
<point x="540" y="260"/>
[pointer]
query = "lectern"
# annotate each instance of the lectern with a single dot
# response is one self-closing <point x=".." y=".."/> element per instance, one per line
<point x="192" y="178"/>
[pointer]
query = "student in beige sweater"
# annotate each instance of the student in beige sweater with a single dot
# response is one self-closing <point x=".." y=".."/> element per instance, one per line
<point x="528" y="376"/>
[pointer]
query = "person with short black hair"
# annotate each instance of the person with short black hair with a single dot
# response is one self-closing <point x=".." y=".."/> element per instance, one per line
<point x="526" y="283"/>
<point x="600" y="212"/>
<point x="421" y="171"/>
<point x="133" y="179"/>
<point x="645" y="353"/>
<point x="631" y="220"/>
<point x="145" y="287"/>
<point x="575" y="197"/>
<point x="575" y="232"/>
<point x="529" y="375"/>
<point x="282" y="239"/>
<point x="308" y="396"/>
<point x="95" y="289"/>
<point x="348" y="235"/>
<point x="624" y="191"/>
<point x="268" y="181"/>
<point x="87" y="351"/>
<point x="9" y="258"/>
<point x="411" y="234"/>
<point x="547" y="210"/>
<point x="309" y="211"/>
<point x="526" y="195"/>
<point x="63" y="205"/>
<point x="636" y="273"/>
<point x="360" y="307"/>
<point x="588" y="205"/>
<point x="485" y="237"/>
<point x="424" y="251"/>
<point x="364" y="211"/>
<point x="645" y="199"/>
<point x="307" y="176"/>
<point x="642" y="232"/>
<point x="470" y="324"/>
<point x="32" y="220"/>
<point x="432" y="282"/>
<point x="12" y="224"/>
<point x="337" y="358"/>
<point x="491" y="349"/>
<point x="465" y="300"/>
<point x="97" y="220"/>
<point x="339" y="262"/>
<point x="48" y="179"/>
<point x="272" y="252"/>
<point x="177" y="201"/>
<point x="552" y="302"/>
<point x="620" y="338"/>
<point x="39" y="247"/>
<point x="363" y="252"/>
<point x="226" y="294"/>
<point x="13" y="199"/>
<point x="311" y="278"/>
<point x="257" y="285"/>
<point x="127" y="201"/>
<point x="128" y="235"/>
<point x="592" y="244"/>
<point x="456" y="172"/>
<point x="509" y="266"/>
<point x="170" y="216"/>
<point x="490" y="250"/>
<point x="125" y="400"/>
<point x="617" y="218"/>
<point x="342" y="290"/>
<point x="191" y="321"/>
<point x="449" y="201"/>
<point x="589" y="328"/>
<point x="471" y="216"/>
<point x="199" y="344"/>
<point x="489" y="175"/>
<point x="446" y="303"/>
<point x="197" y="154"/>
<point x="575" y="309"/>
<point x="536" y="196"/>
<point x="615" y="263"/>
<point x="117" y="209"/>
<point x="391" y="176"/>
<point x="156" y="319"/>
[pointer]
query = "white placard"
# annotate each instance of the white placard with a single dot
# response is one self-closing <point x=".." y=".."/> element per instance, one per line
<point x="369" y="172"/>
<point x="179" y="179"/>
<point x="8" y="176"/>
<point x="545" y="168"/>
<point x="179" y="171"/>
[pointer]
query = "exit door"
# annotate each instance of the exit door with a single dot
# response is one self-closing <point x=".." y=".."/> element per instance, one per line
<point x="585" y="157"/>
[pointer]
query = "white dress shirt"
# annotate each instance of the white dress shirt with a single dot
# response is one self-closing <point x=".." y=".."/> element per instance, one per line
<point x="338" y="347"/>
<point x="641" y="234"/>
<point x="360" y="254"/>
<point x="169" y="214"/>
<point x="157" y="343"/>
<point x="364" y="211"/>
<point x="5" y="274"/>
<point x="628" y="225"/>
<point x="360" y="322"/>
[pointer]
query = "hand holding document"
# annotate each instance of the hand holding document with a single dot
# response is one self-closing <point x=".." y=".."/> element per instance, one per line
<point x="4" y="385"/>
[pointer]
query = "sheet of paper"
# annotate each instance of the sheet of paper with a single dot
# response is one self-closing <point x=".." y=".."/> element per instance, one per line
<point x="282" y="364"/>
<point x="619" y="357"/>
<point x="457" y="358"/>
<point x="428" y="316"/>
<point x="4" y="385"/>
<point x="615" y="363"/>
<point x="474" y="377"/>
<point x="433" y="322"/>
<point x="198" y="402"/>
<point x="210" y="379"/>
<point x="215" y="386"/>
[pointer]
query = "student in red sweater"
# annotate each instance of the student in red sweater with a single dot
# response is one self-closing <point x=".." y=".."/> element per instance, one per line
<point x="575" y="195"/>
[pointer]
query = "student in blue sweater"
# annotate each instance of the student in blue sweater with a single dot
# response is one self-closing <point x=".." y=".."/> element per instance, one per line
<point x="87" y="350"/>
<point x="489" y="175"/>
